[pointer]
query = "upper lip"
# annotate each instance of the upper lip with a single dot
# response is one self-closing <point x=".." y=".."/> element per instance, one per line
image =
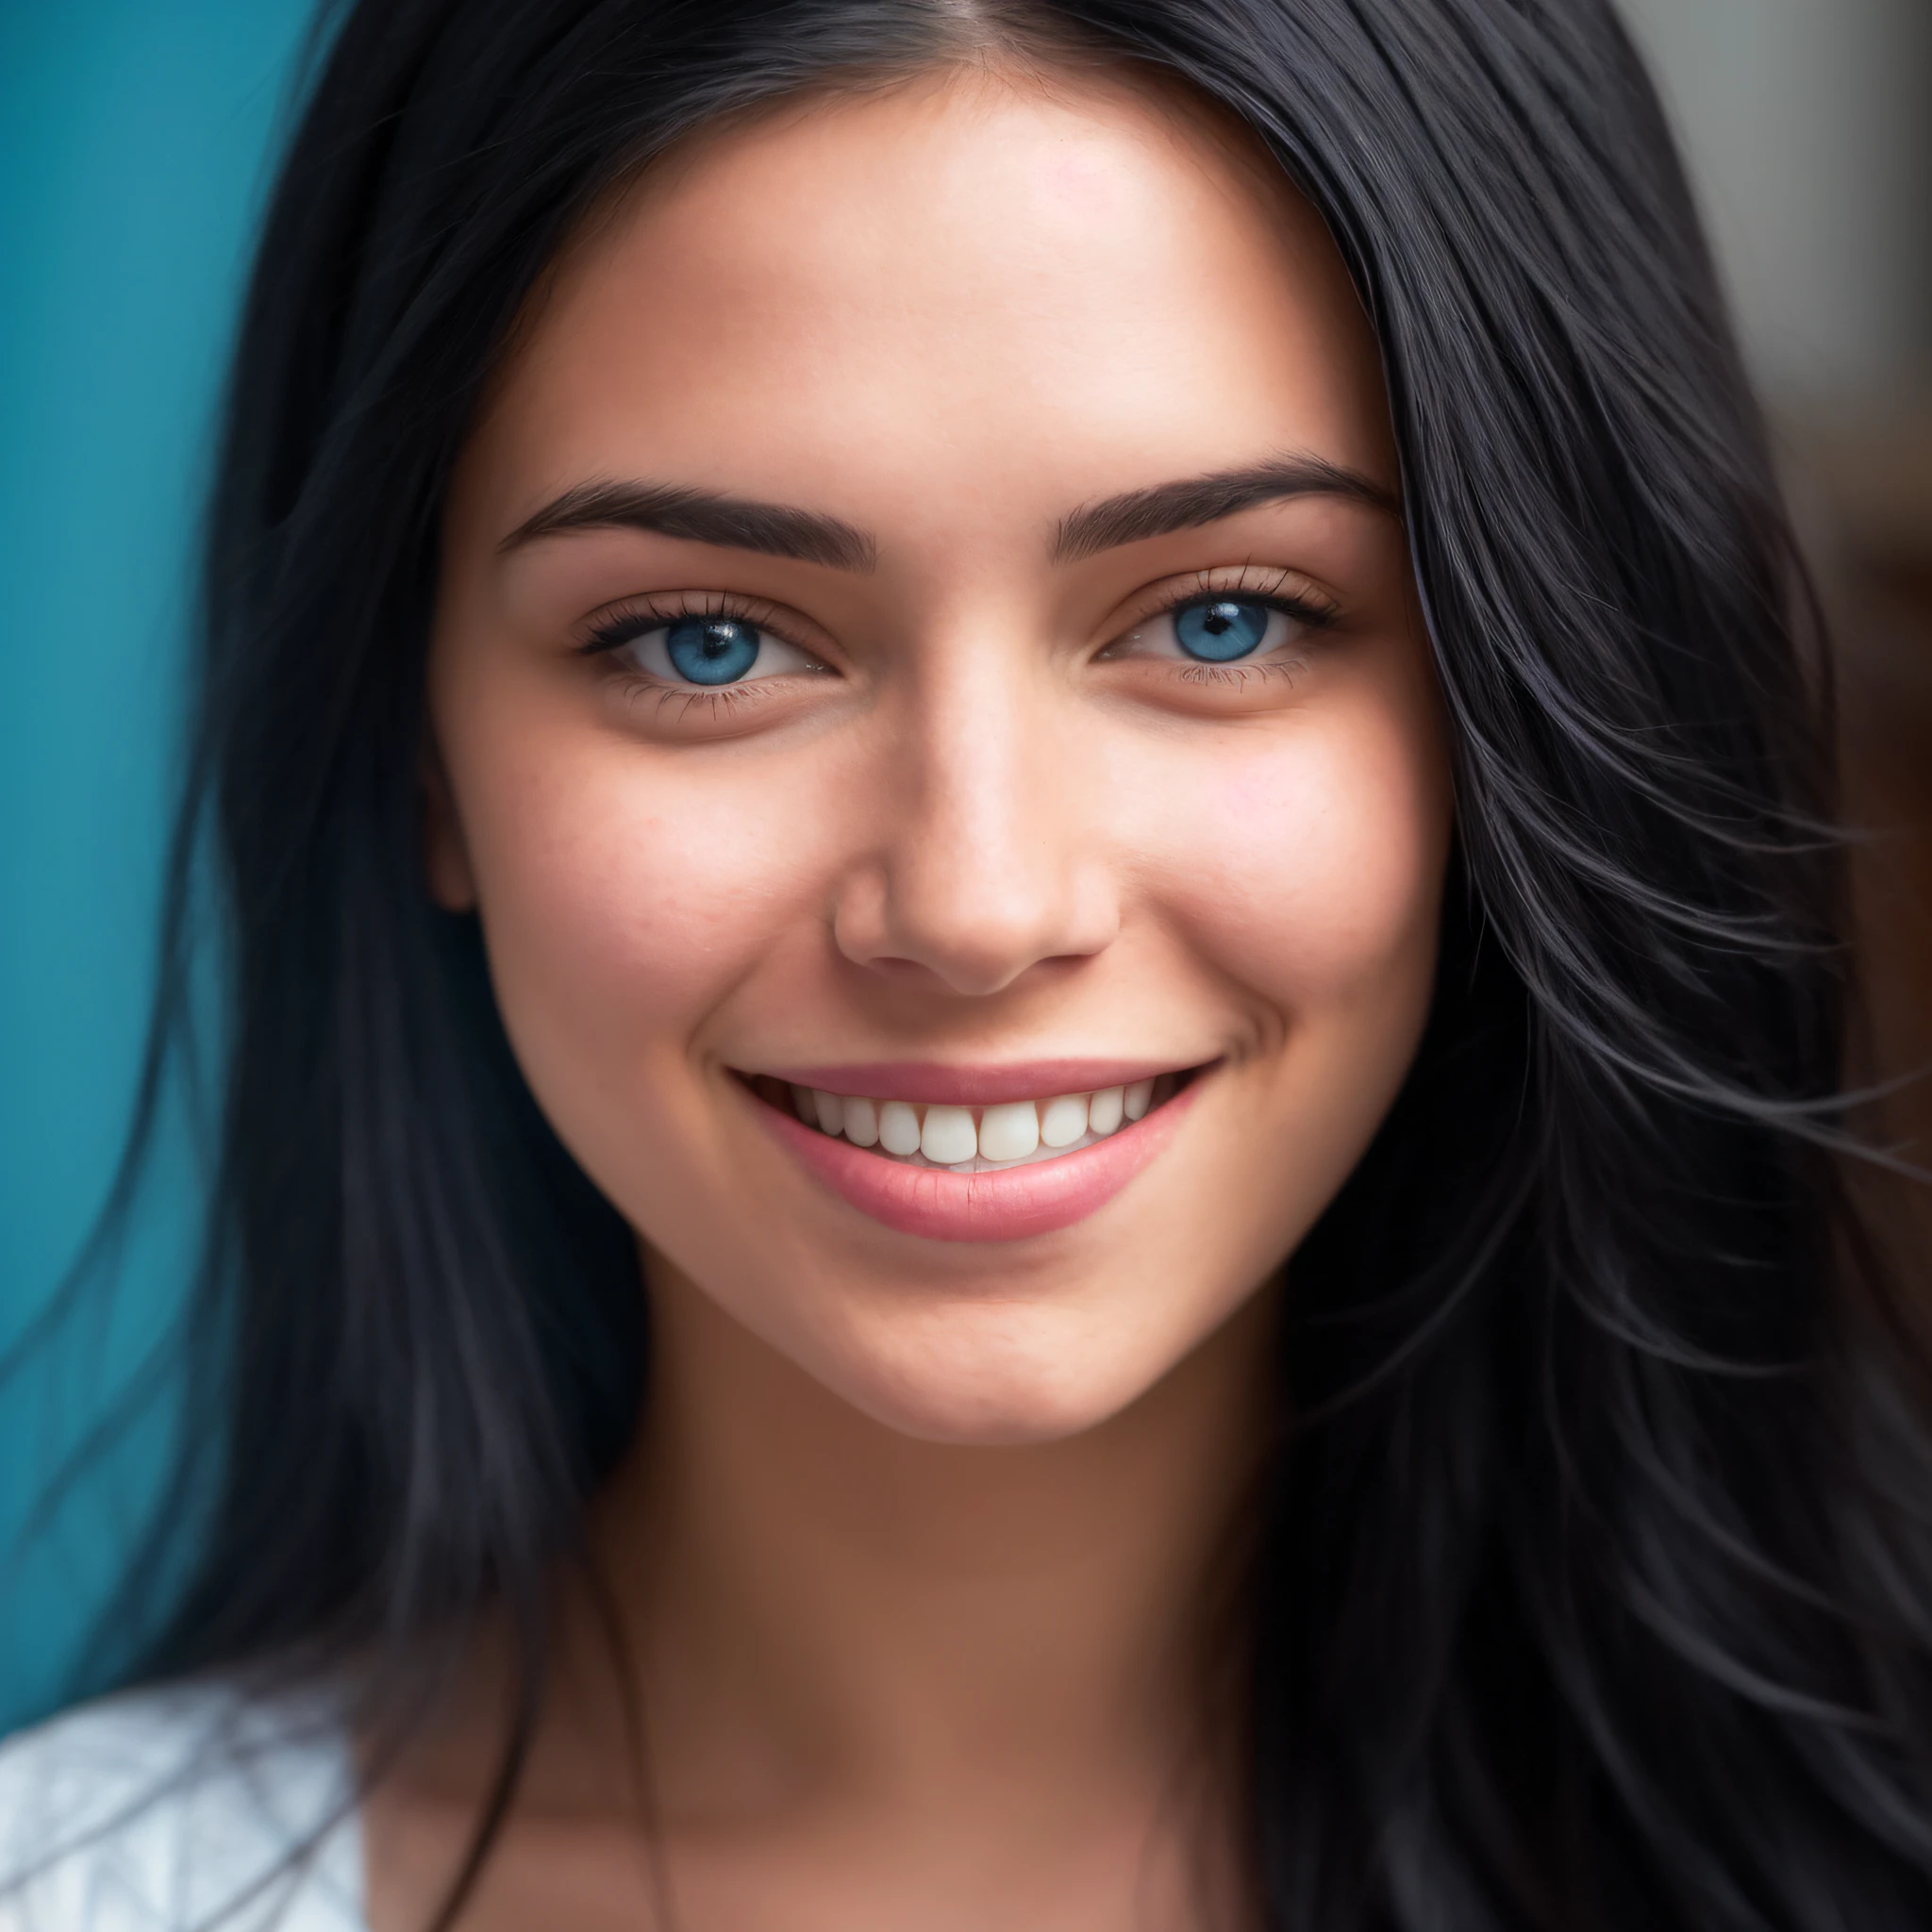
<point x="984" y="1086"/>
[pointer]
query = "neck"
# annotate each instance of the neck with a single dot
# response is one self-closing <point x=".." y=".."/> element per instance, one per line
<point x="816" y="1601"/>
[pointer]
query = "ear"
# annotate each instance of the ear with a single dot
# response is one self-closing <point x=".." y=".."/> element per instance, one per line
<point x="445" y="854"/>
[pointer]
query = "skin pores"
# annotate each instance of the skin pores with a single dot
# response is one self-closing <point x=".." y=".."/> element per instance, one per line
<point x="976" y="806"/>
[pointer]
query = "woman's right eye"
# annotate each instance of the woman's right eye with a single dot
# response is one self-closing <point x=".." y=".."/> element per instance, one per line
<point x="700" y="652"/>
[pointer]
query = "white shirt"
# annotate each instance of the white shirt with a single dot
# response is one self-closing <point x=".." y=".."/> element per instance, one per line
<point x="180" y="1810"/>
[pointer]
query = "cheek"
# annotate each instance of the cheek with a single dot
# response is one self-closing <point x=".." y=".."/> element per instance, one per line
<point x="625" y="893"/>
<point x="1309" y="868"/>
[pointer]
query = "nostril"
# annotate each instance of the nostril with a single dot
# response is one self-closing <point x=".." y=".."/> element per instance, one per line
<point x="976" y="974"/>
<point x="974" y="934"/>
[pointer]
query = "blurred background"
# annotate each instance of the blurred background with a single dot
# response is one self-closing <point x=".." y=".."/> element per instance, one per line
<point x="135" y="139"/>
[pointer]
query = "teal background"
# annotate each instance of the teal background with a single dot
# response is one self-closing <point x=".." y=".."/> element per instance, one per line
<point x="136" y="139"/>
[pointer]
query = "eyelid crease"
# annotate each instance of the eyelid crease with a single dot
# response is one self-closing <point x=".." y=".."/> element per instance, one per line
<point x="1261" y="584"/>
<point x="631" y="618"/>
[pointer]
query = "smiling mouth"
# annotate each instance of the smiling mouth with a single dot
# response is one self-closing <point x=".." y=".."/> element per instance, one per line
<point x="973" y="1140"/>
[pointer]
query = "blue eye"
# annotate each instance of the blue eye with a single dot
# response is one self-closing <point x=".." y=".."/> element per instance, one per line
<point x="1222" y="630"/>
<point x="707" y="648"/>
<point x="711" y="650"/>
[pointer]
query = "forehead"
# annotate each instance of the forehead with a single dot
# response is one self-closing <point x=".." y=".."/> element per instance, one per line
<point x="967" y="281"/>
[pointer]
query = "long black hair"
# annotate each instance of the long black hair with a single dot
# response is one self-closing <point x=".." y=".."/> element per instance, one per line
<point x="1590" y="1588"/>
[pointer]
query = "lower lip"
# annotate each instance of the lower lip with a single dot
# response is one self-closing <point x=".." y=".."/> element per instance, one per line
<point x="1010" y="1204"/>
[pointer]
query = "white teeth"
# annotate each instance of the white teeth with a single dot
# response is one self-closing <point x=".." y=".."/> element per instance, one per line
<point x="1063" y="1121"/>
<point x="1011" y="1131"/>
<point x="948" y="1136"/>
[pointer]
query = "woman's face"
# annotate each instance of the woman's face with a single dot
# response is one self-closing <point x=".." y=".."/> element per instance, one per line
<point x="924" y="622"/>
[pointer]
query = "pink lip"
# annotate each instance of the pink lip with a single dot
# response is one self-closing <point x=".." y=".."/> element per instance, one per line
<point x="971" y="1086"/>
<point x="1007" y="1204"/>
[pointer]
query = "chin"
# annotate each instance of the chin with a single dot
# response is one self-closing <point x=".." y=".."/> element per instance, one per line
<point x="993" y="1387"/>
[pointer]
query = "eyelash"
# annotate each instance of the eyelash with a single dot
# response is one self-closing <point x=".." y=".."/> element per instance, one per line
<point x="1259" y="586"/>
<point x="640" y="618"/>
<point x="1256" y="586"/>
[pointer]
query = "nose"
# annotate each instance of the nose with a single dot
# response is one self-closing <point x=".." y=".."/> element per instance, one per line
<point x="987" y="860"/>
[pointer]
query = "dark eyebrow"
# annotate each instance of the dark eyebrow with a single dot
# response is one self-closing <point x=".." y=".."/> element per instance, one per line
<point x="733" y="523"/>
<point x="1189" y="501"/>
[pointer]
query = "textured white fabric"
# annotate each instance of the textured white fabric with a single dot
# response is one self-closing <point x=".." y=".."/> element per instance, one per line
<point x="177" y="1810"/>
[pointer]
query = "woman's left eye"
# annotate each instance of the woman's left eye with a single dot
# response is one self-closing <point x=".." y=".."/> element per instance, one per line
<point x="1213" y="629"/>
<point x="699" y="651"/>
